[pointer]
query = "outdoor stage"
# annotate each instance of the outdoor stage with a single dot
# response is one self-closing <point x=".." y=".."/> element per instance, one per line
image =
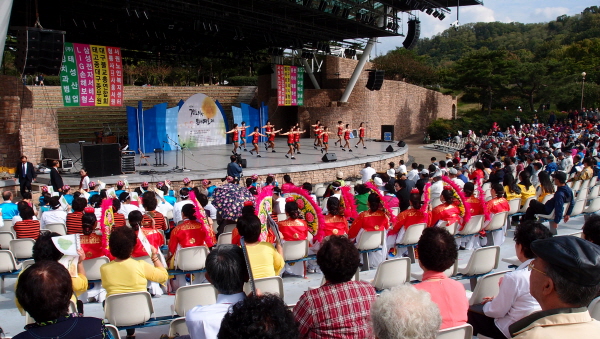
<point x="210" y="163"/>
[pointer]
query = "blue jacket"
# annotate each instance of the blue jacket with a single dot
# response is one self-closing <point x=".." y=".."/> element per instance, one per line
<point x="9" y="210"/>
<point x="68" y="327"/>
<point x="551" y="167"/>
<point x="563" y="195"/>
<point x="234" y="170"/>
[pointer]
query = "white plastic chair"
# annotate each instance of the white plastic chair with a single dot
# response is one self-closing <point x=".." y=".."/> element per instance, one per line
<point x="498" y="221"/>
<point x="294" y="250"/>
<point x="411" y="238"/>
<point x="191" y="258"/>
<point x="512" y="261"/>
<point x="113" y="330"/>
<point x="229" y="228"/>
<point x="594" y="192"/>
<point x="177" y="327"/>
<point x="576" y="185"/>
<point x="435" y="202"/>
<point x="320" y="191"/>
<point x="273" y="285"/>
<point x="22" y="248"/>
<point x="482" y="261"/>
<point x="578" y="208"/>
<point x="593" y="207"/>
<point x="369" y="241"/>
<point x="8" y="223"/>
<point x="224" y="239"/>
<point x="515" y="205"/>
<point x="473" y="226"/>
<point x="188" y="297"/>
<point x="395" y="211"/>
<point x="547" y="198"/>
<point x="58" y="228"/>
<point x="593" y="181"/>
<point x="392" y="273"/>
<point x="5" y="238"/>
<point x="127" y="309"/>
<point x="92" y="267"/>
<point x="281" y="217"/>
<point x="526" y="205"/>
<point x="459" y="332"/>
<point x="449" y="272"/>
<point x="594" y="308"/>
<point x="487" y="286"/>
<point x="8" y="264"/>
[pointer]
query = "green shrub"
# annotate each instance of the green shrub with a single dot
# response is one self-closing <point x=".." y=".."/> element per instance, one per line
<point x="242" y="81"/>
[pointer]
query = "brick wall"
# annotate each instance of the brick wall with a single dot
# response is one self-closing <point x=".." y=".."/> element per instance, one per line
<point x="408" y="107"/>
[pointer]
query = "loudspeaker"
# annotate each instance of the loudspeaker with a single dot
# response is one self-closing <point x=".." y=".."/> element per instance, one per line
<point x="329" y="157"/>
<point x="387" y="133"/>
<point x="414" y="31"/>
<point x="242" y="162"/>
<point x="389" y="149"/>
<point x="101" y="160"/>
<point x="401" y="143"/>
<point x="375" y="80"/>
<point x="39" y="51"/>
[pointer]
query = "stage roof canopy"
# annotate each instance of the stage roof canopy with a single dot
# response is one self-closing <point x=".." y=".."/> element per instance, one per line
<point x="206" y="27"/>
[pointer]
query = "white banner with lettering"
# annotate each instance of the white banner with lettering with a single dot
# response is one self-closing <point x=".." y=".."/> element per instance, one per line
<point x="201" y="123"/>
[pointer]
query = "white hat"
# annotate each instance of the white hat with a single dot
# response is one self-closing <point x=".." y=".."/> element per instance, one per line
<point x="378" y="181"/>
<point x="424" y="171"/>
<point x="453" y="171"/>
<point x="437" y="173"/>
<point x="339" y="175"/>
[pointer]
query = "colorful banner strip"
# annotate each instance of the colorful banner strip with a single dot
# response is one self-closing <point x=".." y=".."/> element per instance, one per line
<point x="92" y="75"/>
<point x="290" y="85"/>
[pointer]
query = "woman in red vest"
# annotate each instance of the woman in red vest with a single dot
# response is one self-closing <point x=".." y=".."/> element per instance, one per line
<point x="406" y="218"/>
<point x="91" y="243"/>
<point x="361" y="135"/>
<point x="290" y="142"/>
<point x="347" y="132"/>
<point x="325" y="137"/>
<point x="373" y="219"/>
<point x="335" y="222"/>
<point x="255" y="135"/>
<point x="293" y="228"/>
<point x="474" y="203"/>
<point x="236" y="138"/>
<point x="447" y="211"/>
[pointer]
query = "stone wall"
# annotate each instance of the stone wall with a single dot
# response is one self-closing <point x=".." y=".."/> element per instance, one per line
<point x="407" y="107"/>
<point x="25" y="129"/>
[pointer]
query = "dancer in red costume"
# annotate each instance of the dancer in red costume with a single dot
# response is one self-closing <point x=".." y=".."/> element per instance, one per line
<point x="407" y="218"/>
<point x="316" y="131"/>
<point x="325" y="137"/>
<point x="447" y="211"/>
<point x="347" y="132"/>
<point x="361" y="135"/>
<point x="236" y="138"/>
<point x="243" y="135"/>
<point x="255" y="135"/>
<point x="290" y="142"/>
<point x="340" y="132"/>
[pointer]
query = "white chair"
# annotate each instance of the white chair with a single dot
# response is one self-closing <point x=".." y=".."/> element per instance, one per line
<point x="320" y="192"/>
<point x="578" y="207"/>
<point x="435" y="202"/>
<point x="551" y="215"/>
<point x="593" y="207"/>
<point x="294" y="250"/>
<point x="449" y="272"/>
<point x="128" y="309"/>
<point x="281" y="216"/>
<point x="113" y="330"/>
<point x="526" y="205"/>
<point x="594" y="308"/>
<point x="8" y="264"/>
<point x="273" y="285"/>
<point x="459" y="332"/>
<point x="58" y="228"/>
<point x="177" y="327"/>
<point x="169" y="215"/>
<point x="224" y="239"/>
<point x="515" y="205"/>
<point x="547" y="198"/>
<point x="593" y="181"/>
<point x="487" y="286"/>
<point x="482" y="261"/>
<point x="188" y="297"/>
<point x="514" y="261"/>
<point x="369" y="241"/>
<point x="486" y="186"/>
<point x="8" y="223"/>
<point x="498" y="221"/>
<point x="5" y="238"/>
<point x="191" y="258"/>
<point x="229" y="228"/>
<point x="576" y="185"/>
<point x="92" y="267"/>
<point x="395" y="211"/>
<point x="392" y="273"/>
<point x="473" y="226"/>
<point x="452" y="228"/>
<point x="22" y="248"/>
<point x="411" y="238"/>
<point x="594" y="192"/>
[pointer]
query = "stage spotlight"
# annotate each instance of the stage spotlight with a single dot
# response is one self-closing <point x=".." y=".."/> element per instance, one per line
<point x="335" y="10"/>
<point x="442" y="16"/>
<point x="436" y="14"/>
<point x="429" y="11"/>
<point x="323" y="5"/>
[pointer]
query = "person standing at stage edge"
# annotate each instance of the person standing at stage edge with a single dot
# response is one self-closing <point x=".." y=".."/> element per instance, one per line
<point x="25" y="173"/>
<point x="55" y="178"/>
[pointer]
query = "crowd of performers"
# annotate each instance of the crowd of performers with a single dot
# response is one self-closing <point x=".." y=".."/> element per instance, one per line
<point x="321" y="141"/>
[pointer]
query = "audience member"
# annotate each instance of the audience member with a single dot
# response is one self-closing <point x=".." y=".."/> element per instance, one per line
<point x="56" y="215"/>
<point x="591" y="229"/>
<point x="563" y="195"/>
<point x="367" y="172"/>
<point x="8" y="208"/>
<point x="265" y="261"/>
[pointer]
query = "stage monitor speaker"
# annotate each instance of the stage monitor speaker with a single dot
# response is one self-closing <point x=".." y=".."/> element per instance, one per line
<point x="39" y="51"/>
<point x="412" y="36"/>
<point x="389" y="149"/>
<point x="328" y="157"/>
<point x="242" y="162"/>
<point x="375" y="80"/>
<point x="387" y="133"/>
<point x="401" y="143"/>
<point x="102" y="159"/>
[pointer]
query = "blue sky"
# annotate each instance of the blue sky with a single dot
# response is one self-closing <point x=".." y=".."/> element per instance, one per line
<point x="525" y="11"/>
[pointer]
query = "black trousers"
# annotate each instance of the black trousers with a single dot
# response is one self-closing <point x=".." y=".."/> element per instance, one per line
<point x="482" y="323"/>
<point x="25" y="185"/>
<point x="535" y="207"/>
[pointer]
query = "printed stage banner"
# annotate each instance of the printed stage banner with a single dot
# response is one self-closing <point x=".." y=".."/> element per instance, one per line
<point x="201" y="122"/>
<point x="290" y="85"/>
<point x="91" y="75"/>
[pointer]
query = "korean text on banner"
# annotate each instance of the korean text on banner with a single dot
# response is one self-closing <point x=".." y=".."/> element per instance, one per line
<point x="85" y="72"/>
<point x="101" y="78"/>
<point x="290" y="85"/>
<point x="280" y="86"/>
<point x="300" y="86"/>
<point x="69" y="81"/>
<point x="115" y="68"/>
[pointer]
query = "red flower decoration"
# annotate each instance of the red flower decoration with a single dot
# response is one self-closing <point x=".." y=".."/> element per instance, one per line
<point x="300" y="203"/>
<point x="309" y="217"/>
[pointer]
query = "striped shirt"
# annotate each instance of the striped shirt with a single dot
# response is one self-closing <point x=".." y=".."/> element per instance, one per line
<point x="74" y="223"/>
<point x="119" y="220"/>
<point x="159" y="220"/>
<point x="27" y="229"/>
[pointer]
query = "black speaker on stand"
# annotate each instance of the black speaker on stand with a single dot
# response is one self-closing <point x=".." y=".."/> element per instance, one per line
<point x="401" y="143"/>
<point x="241" y="161"/>
<point x="375" y="80"/>
<point x="389" y="149"/>
<point x="328" y="157"/>
<point x="39" y="50"/>
<point x="102" y="159"/>
<point x="412" y="36"/>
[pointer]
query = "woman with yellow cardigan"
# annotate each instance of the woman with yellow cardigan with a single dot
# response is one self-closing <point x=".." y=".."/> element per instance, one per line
<point x="124" y="274"/>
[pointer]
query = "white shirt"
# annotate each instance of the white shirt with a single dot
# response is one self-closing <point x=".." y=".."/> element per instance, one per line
<point x="212" y="210"/>
<point x="367" y="173"/>
<point x="514" y="301"/>
<point x="413" y="175"/>
<point x="279" y="205"/>
<point x="391" y="172"/>
<point x="85" y="183"/>
<point x="128" y="208"/>
<point x="436" y="189"/>
<point x="401" y="169"/>
<point x="204" y="322"/>
<point x="458" y="182"/>
<point x="53" y="217"/>
<point x="177" y="217"/>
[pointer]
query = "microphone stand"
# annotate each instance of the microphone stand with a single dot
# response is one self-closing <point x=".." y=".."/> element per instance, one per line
<point x="183" y="148"/>
<point x="177" y="148"/>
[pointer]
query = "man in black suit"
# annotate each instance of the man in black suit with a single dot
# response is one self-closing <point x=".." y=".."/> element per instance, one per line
<point x="25" y="174"/>
<point x="55" y="178"/>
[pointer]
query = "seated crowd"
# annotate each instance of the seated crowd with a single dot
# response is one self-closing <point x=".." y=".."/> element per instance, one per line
<point x="546" y="295"/>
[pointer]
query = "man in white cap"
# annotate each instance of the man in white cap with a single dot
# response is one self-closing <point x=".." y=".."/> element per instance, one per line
<point x="453" y="174"/>
<point x="367" y="172"/>
<point x="339" y="176"/>
<point x="437" y="185"/>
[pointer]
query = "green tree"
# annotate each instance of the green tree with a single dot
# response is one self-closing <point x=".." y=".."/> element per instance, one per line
<point x="404" y="64"/>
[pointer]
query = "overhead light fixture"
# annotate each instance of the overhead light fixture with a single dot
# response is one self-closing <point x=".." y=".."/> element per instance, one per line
<point x="442" y="16"/>
<point x="345" y="13"/>
<point x="436" y="14"/>
<point x="336" y="10"/>
<point x="323" y="5"/>
<point x="429" y="11"/>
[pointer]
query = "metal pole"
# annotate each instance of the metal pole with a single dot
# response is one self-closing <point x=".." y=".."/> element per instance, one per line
<point x="310" y="73"/>
<point x="582" y="86"/>
<point x="358" y="69"/>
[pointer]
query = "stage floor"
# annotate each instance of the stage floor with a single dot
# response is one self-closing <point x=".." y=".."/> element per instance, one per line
<point x="211" y="161"/>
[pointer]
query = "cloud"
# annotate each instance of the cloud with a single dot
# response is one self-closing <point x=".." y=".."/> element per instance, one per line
<point x="476" y="14"/>
<point x="548" y="13"/>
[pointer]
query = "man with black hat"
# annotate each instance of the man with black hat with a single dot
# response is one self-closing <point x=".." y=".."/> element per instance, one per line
<point x="563" y="195"/>
<point x="565" y="277"/>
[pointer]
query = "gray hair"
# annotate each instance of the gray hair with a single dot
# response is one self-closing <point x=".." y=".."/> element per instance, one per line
<point x="405" y="312"/>
<point x="569" y="292"/>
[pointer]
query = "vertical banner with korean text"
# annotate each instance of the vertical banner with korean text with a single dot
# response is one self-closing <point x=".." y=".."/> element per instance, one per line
<point x="68" y="77"/>
<point x="290" y="85"/>
<point x="94" y="75"/>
